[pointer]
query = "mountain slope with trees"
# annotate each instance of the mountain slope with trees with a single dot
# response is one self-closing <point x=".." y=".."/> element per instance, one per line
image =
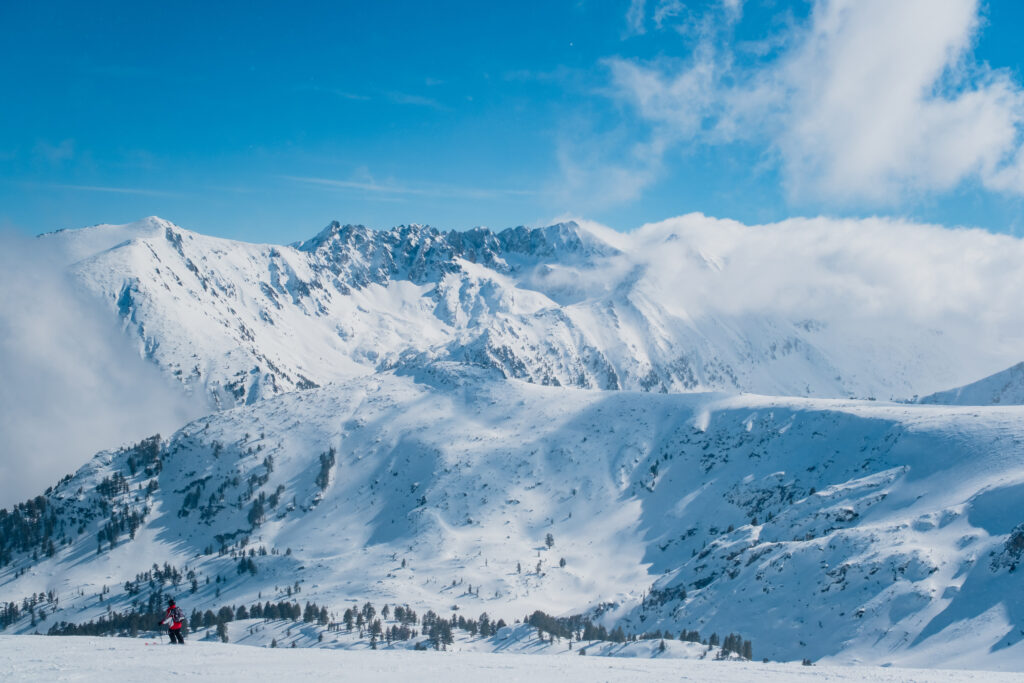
<point x="816" y="528"/>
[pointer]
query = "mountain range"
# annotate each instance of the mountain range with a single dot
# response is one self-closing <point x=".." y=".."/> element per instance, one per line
<point x="648" y="430"/>
<point x="675" y="307"/>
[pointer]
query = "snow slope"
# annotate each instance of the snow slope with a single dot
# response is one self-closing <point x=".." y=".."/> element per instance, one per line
<point x="845" y="531"/>
<point x="1006" y="387"/>
<point x="807" y="308"/>
<point x="28" y="658"/>
<point x="413" y="467"/>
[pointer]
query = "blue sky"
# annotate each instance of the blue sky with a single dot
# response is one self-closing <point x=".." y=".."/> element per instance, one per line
<point x="264" y="121"/>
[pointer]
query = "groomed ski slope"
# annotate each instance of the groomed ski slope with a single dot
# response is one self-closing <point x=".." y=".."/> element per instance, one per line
<point x="41" y="658"/>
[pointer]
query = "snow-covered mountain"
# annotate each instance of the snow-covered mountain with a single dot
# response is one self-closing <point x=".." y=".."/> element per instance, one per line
<point x="686" y="305"/>
<point x="521" y="420"/>
<point x="850" y="530"/>
<point x="1006" y="387"/>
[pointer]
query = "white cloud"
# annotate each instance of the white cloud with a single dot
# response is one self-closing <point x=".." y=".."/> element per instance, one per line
<point x="878" y="286"/>
<point x="71" y="384"/>
<point x="928" y="276"/>
<point x="601" y="168"/>
<point x="676" y="104"/>
<point x="592" y="181"/>
<point x="54" y="154"/>
<point x="666" y="10"/>
<point x="635" y="18"/>
<point x="108" y="189"/>
<point x="868" y="100"/>
<point x="869" y="115"/>
<point x="416" y="100"/>
<point x="734" y="6"/>
<point x="369" y="185"/>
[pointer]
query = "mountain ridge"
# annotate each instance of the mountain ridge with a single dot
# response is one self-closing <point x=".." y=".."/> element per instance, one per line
<point x="667" y="309"/>
<point x="1004" y="387"/>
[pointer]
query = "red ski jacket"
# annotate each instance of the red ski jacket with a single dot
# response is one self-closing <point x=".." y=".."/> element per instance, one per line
<point x="175" y="615"/>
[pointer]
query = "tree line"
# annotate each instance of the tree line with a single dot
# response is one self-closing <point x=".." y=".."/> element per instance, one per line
<point x="578" y="627"/>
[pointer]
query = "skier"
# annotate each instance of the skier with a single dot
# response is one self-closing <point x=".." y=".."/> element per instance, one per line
<point x="176" y="616"/>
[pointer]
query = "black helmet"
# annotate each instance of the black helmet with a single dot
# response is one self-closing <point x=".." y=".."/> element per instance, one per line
<point x="171" y="602"/>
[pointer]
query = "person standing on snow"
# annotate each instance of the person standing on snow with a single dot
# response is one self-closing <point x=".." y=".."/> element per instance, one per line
<point x="176" y="616"/>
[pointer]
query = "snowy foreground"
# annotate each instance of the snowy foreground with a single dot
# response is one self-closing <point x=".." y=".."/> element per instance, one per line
<point x="40" y="658"/>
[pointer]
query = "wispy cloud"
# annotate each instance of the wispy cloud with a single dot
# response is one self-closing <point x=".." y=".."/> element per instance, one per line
<point x="668" y="9"/>
<point x="337" y="92"/>
<point x="412" y="190"/>
<point x="102" y="188"/>
<point x="416" y="100"/>
<point x="602" y="168"/>
<point x="54" y="154"/>
<point x="395" y="96"/>
<point x="635" y="18"/>
<point x="867" y="100"/>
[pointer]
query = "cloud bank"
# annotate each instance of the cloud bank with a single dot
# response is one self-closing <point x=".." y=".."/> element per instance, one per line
<point x="70" y="383"/>
<point x="866" y="100"/>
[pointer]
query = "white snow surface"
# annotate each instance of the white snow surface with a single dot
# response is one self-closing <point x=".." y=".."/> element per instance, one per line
<point x="840" y="531"/>
<point x="825" y="308"/>
<point x="1006" y="387"/>
<point x="36" y="658"/>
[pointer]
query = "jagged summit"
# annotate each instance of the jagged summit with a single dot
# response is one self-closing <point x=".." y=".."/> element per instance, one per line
<point x="477" y="245"/>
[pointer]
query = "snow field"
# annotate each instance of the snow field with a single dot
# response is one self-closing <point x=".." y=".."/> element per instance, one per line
<point x="38" y="658"/>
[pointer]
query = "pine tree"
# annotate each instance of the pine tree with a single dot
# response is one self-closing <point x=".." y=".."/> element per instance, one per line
<point x="368" y="612"/>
